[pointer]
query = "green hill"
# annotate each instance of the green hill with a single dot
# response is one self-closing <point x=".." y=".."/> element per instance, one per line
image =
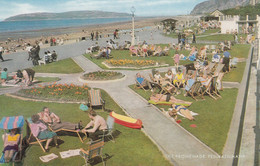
<point x="243" y="11"/>
<point x="66" y="15"/>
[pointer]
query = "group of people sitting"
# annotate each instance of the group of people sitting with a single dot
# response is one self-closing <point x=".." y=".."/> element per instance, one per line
<point x="145" y="50"/>
<point x="26" y="76"/>
<point x="49" y="57"/>
<point x="45" y="123"/>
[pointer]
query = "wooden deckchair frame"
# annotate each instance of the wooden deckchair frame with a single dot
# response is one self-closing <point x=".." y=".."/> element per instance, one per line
<point x="97" y="97"/>
<point x="195" y="90"/>
<point x="38" y="141"/>
<point x="94" y="150"/>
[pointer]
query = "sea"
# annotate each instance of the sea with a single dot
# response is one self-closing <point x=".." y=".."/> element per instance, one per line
<point x="27" y="29"/>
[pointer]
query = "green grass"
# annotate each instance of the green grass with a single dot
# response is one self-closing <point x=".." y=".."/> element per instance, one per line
<point x="47" y="79"/>
<point x="236" y="74"/>
<point x="212" y="122"/>
<point x="219" y="37"/>
<point x="66" y="66"/>
<point x="132" y="147"/>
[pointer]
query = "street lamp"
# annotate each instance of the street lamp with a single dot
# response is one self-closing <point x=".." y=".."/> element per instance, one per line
<point x="133" y="24"/>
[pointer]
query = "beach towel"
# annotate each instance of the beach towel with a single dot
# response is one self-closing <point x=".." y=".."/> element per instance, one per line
<point x="192" y="113"/>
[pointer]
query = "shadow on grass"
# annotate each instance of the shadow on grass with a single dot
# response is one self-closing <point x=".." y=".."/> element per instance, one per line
<point x="96" y="160"/>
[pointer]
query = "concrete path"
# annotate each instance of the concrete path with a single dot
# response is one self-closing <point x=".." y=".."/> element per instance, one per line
<point x="249" y="150"/>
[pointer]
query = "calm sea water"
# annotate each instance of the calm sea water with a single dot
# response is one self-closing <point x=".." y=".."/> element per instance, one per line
<point x="16" y="26"/>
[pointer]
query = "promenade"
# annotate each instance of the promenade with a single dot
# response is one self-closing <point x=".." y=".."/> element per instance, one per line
<point x="177" y="145"/>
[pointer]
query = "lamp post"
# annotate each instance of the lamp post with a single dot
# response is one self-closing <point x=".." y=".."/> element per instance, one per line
<point x="133" y="24"/>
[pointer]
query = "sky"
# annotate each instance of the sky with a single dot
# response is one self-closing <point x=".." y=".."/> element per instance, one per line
<point x="143" y="7"/>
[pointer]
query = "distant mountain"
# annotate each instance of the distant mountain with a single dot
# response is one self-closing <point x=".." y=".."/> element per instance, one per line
<point x="211" y="5"/>
<point x="66" y="15"/>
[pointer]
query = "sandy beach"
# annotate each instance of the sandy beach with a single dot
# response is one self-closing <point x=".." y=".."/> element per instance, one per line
<point x="15" y="41"/>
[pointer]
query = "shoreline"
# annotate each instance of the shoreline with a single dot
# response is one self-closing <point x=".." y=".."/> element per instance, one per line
<point x="10" y="40"/>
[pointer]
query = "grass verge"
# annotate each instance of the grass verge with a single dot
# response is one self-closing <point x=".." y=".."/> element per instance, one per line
<point x="214" y="117"/>
<point x="66" y="66"/>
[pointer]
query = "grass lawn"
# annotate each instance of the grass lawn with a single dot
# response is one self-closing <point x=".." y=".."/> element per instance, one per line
<point x="132" y="147"/>
<point x="212" y="122"/>
<point x="219" y="37"/>
<point x="47" y="79"/>
<point x="236" y="74"/>
<point x="66" y="66"/>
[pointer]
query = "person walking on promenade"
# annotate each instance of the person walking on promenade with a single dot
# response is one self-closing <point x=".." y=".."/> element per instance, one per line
<point x="1" y="53"/>
<point x="92" y="35"/>
<point x="179" y="38"/>
<point x="193" y="38"/>
<point x="97" y="35"/>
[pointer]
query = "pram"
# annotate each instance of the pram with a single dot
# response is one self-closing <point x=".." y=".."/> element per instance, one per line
<point x="8" y="123"/>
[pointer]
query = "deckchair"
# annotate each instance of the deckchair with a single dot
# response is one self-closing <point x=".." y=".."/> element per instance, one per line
<point x="133" y="51"/>
<point x="218" y="69"/>
<point x="94" y="150"/>
<point x="206" y="89"/>
<point x="210" y="67"/>
<point x="8" y="123"/>
<point x="195" y="90"/>
<point x="141" y="85"/>
<point x="95" y="99"/>
<point x="31" y="138"/>
<point x="219" y="80"/>
<point x="109" y="132"/>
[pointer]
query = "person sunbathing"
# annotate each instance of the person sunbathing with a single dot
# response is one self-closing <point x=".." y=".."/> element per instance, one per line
<point x="157" y="51"/>
<point x="168" y="76"/>
<point x="142" y="81"/>
<point x="10" y="144"/>
<point x="183" y="110"/>
<point x="157" y="77"/>
<point x="54" y="121"/>
<point x="41" y="131"/>
<point x="168" y="98"/>
<point x="190" y="82"/>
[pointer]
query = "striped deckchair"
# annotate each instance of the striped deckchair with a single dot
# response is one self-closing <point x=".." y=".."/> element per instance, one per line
<point x="95" y="99"/>
<point x="8" y="123"/>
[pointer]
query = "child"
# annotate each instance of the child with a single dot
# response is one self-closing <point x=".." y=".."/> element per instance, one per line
<point x="176" y="58"/>
<point x="4" y="76"/>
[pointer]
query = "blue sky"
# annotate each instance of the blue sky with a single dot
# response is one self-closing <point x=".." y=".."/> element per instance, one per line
<point x="143" y="7"/>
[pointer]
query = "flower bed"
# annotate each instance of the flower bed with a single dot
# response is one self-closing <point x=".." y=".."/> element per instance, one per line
<point x="60" y="92"/>
<point x="131" y="63"/>
<point x="102" y="75"/>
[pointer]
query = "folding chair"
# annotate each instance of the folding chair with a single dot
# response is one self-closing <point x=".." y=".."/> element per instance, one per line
<point x="94" y="150"/>
<point x="141" y="85"/>
<point x="207" y="89"/>
<point x="95" y="99"/>
<point x="30" y="140"/>
<point x="218" y="69"/>
<point x="195" y="90"/>
<point x="8" y="123"/>
<point x="110" y="127"/>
